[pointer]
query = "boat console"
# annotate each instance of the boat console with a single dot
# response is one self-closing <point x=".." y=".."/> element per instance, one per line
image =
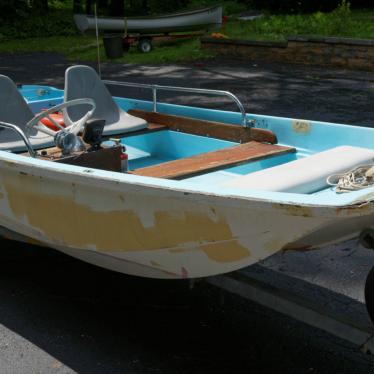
<point x="104" y="158"/>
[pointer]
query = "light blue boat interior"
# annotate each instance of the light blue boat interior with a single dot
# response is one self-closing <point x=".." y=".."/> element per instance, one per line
<point x="157" y="147"/>
<point x="162" y="146"/>
<point x="41" y="97"/>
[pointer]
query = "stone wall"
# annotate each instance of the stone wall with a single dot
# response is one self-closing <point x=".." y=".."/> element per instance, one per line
<point x="339" y="52"/>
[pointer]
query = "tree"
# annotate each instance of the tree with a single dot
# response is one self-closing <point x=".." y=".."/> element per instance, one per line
<point x="39" y="6"/>
<point x="117" y="8"/>
<point x="77" y="6"/>
<point x="11" y="8"/>
<point x="88" y="7"/>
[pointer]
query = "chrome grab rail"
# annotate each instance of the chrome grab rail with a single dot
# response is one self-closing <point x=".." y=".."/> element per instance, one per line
<point x="156" y="87"/>
<point x="21" y="134"/>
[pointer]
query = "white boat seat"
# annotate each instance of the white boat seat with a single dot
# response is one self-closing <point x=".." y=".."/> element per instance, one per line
<point x="306" y="175"/>
<point x="82" y="81"/>
<point x="14" y="110"/>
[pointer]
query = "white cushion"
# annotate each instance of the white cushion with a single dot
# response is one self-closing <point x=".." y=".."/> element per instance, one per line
<point x="126" y="123"/>
<point x="305" y="175"/>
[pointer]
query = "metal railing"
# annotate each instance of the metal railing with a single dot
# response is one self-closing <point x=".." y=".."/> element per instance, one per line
<point x="21" y="134"/>
<point x="156" y="87"/>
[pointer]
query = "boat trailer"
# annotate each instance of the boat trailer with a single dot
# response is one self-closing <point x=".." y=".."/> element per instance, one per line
<point x="367" y="240"/>
<point x="144" y="42"/>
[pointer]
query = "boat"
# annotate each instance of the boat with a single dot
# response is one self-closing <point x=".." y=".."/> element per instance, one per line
<point x="205" y="192"/>
<point x="209" y="18"/>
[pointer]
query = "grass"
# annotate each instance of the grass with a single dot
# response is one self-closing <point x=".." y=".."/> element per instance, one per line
<point x="59" y="44"/>
<point x="180" y="51"/>
<point x="351" y="24"/>
<point x="84" y="48"/>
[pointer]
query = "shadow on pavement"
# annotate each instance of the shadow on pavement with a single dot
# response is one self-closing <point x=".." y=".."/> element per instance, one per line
<point x="93" y="321"/>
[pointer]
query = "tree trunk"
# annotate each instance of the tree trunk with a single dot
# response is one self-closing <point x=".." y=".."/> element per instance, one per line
<point x="77" y="6"/>
<point x="89" y="8"/>
<point x="40" y="6"/>
<point x="103" y="5"/>
<point x="145" y="5"/>
<point x="117" y="8"/>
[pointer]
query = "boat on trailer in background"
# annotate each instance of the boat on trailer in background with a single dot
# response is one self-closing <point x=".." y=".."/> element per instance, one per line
<point x="145" y="29"/>
<point x="206" y="191"/>
<point x="206" y="19"/>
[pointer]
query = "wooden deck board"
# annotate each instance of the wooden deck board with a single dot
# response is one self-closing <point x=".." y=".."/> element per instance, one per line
<point x="212" y="129"/>
<point x="152" y="127"/>
<point x="211" y="161"/>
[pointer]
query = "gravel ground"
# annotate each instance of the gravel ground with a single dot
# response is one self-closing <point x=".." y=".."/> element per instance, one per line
<point x="59" y="315"/>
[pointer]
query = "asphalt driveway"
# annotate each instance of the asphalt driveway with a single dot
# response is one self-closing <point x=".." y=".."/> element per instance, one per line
<point x="59" y="315"/>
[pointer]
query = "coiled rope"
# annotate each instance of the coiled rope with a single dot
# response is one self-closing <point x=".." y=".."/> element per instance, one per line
<point x="356" y="179"/>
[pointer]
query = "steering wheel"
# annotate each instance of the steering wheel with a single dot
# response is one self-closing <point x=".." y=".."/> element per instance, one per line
<point x="74" y="128"/>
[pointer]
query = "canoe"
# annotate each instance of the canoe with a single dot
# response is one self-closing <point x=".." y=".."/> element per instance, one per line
<point x="203" y="194"/>
<point x="197" y="20"/>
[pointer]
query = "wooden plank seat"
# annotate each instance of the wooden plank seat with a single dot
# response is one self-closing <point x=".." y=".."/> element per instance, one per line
<point x="212" y="129"/>
<point x="212" y="161"/>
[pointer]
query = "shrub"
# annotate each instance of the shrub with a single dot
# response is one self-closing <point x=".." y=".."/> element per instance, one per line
<point x="233" y="7"/>
<point x="55" y="23"/>
<point x="11" y="9"/>
<point x="306" y="6"/>
<point x="340" y="22"/>
<point x="229" y="7"/>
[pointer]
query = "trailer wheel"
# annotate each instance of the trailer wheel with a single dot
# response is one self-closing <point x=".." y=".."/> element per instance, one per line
<point x="145" y="45"/>
<point x="369" y="294"/>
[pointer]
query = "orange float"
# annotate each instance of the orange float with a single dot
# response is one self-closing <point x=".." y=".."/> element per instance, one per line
<point x="57" y="117"/>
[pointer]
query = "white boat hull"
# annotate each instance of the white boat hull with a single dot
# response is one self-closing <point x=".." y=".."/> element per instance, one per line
<point x="151" y="231"/>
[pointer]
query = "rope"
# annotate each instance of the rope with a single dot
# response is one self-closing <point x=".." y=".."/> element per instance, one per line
<point x="356" y="179"/>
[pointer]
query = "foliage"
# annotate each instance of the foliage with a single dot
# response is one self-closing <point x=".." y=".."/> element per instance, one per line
<point x="137" y="7"/>
<point x="158" y="7"/>
<point x="10" y="9"/>
<point x="229" y="7"/>
<point x="57" y="22"/>
<point x="233" y="7"/>
<point x="340" y="22"/>
<point x="306" y="6"/>
<point x="21" y="18"/>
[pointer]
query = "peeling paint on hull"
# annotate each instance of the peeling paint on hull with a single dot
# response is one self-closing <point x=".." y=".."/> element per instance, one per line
<point x="153" y="232"/>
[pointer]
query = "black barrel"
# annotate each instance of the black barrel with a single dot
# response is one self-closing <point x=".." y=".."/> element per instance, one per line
<point x="113" y="46"/>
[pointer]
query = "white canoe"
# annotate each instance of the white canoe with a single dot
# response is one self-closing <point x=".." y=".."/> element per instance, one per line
<point x="197" y="20"/>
